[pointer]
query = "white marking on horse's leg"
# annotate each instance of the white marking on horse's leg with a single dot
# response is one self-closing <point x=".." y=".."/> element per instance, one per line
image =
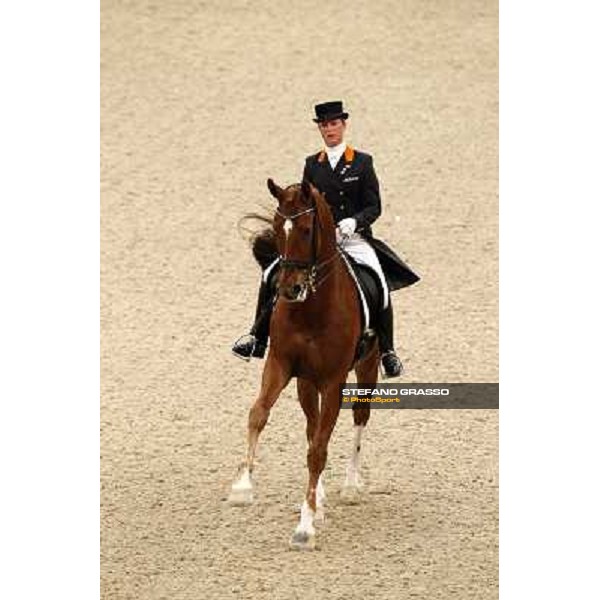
<point x="241" y="489"/>
<point x="244" y="482"/>
<point x="353" y="478"/>
<point x="303" y="537"/>
<point x="307" y="517"/>
<point x="321" y="499"/>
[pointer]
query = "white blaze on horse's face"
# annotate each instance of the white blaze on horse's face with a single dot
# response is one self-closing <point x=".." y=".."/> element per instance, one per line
<point x="287" y="228"/>
<point x="297" y="274"/>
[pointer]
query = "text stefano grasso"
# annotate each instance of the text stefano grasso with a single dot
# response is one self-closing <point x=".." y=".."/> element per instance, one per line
<point x="348" y="391"/>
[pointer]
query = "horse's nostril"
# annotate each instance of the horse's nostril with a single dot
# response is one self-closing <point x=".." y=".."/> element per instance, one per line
<point x="296" y="289"/>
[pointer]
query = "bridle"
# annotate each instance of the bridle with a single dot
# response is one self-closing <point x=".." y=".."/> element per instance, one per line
<point x="311" y="267"/>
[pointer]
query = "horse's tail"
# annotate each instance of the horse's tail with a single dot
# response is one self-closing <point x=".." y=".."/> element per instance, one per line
<point x="262" y="242"/>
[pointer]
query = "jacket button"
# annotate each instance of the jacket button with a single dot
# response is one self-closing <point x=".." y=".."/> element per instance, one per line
<point x="342" y="206"/>
<point x="341" y="193"/>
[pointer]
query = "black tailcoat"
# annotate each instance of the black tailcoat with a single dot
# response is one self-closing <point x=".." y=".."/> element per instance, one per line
<point x="352" y="190"/>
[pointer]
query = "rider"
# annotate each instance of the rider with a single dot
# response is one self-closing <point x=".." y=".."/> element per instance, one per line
<point x="347" y="178"/>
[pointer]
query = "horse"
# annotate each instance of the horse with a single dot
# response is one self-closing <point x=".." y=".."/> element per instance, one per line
<point x="315" y="327"/>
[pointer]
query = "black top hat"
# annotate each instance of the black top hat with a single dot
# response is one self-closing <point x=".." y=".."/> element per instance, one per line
<point x="329" y="111"/>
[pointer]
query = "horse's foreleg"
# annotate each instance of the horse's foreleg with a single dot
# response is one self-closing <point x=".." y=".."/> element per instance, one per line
<point x="308" y="396"/>
<point x="304" y="535"/>
<point x="366" y="372"/>
<point x="275" y="377"/>
<point x="350" y="492"/>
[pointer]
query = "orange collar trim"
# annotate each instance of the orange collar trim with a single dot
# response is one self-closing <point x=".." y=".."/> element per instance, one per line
<point x="348" y="154"/>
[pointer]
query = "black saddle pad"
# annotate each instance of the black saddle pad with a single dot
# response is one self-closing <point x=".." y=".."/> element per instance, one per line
<point x="371" y="288"/>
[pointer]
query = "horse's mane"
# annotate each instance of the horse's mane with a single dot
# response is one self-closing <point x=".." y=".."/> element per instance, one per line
<point x="262" y="241"/>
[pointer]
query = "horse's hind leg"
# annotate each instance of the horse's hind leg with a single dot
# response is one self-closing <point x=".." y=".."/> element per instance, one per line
<point x="303" y="537"/>
<point x="308" y="396"/>
<point x="275" y="377"/>
<point x="366" y="373"/>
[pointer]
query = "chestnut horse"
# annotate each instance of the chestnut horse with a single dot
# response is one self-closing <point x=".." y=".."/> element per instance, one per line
<point x="315" y="328"/>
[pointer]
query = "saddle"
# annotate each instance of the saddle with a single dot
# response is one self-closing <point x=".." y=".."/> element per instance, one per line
<point x="371" y="300"/>
<point x="369" y="288"/>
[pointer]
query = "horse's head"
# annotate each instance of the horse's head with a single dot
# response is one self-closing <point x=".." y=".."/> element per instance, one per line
<point x="305" y="236"/>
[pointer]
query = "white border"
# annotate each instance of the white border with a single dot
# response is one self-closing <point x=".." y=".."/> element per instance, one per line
<point x="49" y="248"/>
<point x="549" y="193"/>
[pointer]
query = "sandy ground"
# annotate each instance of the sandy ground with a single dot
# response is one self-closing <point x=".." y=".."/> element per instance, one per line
<point x="200" y="104"/>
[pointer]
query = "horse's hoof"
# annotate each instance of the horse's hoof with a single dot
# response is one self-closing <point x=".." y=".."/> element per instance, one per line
<point x="240" y="497"/>
<point x="350" y="494"/>
<point x="301" y="540"/>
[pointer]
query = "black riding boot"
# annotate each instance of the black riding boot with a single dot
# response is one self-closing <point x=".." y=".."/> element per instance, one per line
<point x="391" y="364"/>
<point x="255" y="343"/>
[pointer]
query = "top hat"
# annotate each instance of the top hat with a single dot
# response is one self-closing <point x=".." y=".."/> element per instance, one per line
<point x="329" y="111"/>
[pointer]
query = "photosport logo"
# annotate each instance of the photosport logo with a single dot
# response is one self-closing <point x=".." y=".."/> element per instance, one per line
<point x="421" y="395"/>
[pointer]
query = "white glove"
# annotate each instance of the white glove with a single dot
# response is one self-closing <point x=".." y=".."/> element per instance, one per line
<point x="347" y="227"/>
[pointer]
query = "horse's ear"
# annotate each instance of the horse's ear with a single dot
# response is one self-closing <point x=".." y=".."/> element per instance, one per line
<point x="306" y="189"/>
<point x="274" y="188"/>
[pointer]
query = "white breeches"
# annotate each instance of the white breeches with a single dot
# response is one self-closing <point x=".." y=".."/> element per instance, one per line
<point x="362" y="252"/>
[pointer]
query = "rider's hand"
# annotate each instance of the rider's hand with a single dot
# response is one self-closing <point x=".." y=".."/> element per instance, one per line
<point x="347" y="227"/>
